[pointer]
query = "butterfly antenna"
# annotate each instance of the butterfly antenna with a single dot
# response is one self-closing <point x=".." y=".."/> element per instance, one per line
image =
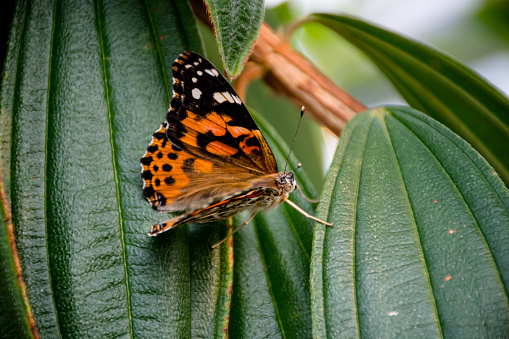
<point x="295" y="137"/>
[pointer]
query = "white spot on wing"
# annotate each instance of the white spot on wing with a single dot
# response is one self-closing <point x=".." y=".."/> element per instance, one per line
<point x="194" y="79"/>
<point x="199" y="72"/>
<point x="228" y="97"/>
<point x="225" y="96"/>
<point x="212" y="72"/>
<point x="196" y="93"/>
<point x="196" y="63"/>
<point x="219" y="97"/>
<point x="237" y="99"/>
<point x="188" y="66"/>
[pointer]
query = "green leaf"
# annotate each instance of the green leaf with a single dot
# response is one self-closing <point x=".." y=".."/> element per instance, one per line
<point x="420" y="243"/>
<point x="271" y="271"/>
<point x="236" y="27"/>
<point x="437" y="85"/>
<point x="14" y="308"/>
<point x="85" y="87"/>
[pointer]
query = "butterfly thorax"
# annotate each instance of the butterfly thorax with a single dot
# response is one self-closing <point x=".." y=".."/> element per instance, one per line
<point x="265" y="193"/>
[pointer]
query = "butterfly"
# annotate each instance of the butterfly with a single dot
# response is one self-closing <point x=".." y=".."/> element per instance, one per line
<point x="209" y="158"/>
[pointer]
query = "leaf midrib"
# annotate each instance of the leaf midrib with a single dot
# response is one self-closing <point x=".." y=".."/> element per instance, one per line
<point x="46" y="157"/>
<point x="414" y="221"/>
<point x="114" y="167"/>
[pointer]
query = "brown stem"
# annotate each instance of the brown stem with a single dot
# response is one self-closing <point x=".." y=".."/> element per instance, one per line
<point x="250" y="72"/>
<point x="292" y="75"/>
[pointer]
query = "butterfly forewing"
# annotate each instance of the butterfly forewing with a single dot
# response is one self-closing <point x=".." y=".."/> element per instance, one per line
<point x="208" y="119"/>
<point x="174" y="179"/>
<point x="208" y="148"/>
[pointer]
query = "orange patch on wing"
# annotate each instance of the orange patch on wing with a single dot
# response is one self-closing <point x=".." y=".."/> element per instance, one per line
<point x="248" y="149"/>
<point x="214" y="117"/>
<point x="190" y="138"/>
<point x="237" y="131"/>
<point x="165" y="181"/>
<point x="203" y="166"/>
<point x="226" y="118"/>
<point x="203" y="125"/>
<point x="218" y="148"/>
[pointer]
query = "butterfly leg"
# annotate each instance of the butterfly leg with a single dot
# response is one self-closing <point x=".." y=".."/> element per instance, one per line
<point x="307" y="215"/>
<point x="305" y="197"/>
<point x="235" y="230"/>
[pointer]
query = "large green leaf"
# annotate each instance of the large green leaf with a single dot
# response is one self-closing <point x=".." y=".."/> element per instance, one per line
<point x="271" y="271"/>
<point x="86" y="84"/>
<point x="236" y="26"/>
<point x="420" y="243"/>
<point x="436" y="84"/>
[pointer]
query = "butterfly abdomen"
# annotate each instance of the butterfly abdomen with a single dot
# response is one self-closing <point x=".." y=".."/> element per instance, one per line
<point x="252" y="200"/>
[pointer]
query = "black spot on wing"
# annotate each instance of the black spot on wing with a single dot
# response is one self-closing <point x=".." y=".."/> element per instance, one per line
<point x="169" y="180"/>
<point x="252" y="142"/>
<point x="172" y="156"/>
<point x="147" y="175"/>
<point x="146" y="160"/>
<point x="148" y="191"/>
<point x="152" y="148"/>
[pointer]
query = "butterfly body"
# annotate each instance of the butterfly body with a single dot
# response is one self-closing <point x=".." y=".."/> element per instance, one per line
<point x="209" y="159"/>
<point x="260" y="197"/>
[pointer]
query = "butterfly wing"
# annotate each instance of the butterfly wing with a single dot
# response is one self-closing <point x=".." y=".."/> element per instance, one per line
<point x="208" y="119"/>
<point x="208" y="148"/>
<point x="174" y="179"/>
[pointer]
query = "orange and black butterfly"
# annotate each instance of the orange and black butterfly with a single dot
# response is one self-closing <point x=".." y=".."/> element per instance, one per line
<point x="209" y="158"/>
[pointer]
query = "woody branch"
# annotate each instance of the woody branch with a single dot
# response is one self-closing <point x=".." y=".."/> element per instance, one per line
<point x="292" y="75"/>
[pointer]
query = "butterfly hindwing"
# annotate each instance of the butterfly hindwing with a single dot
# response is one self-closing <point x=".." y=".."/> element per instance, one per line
<point x="208" y="119"/>
<point x="164" y="169"/>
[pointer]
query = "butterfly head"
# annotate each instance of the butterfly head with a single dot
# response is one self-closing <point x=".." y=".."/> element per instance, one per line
<point x="286" y="182"/>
